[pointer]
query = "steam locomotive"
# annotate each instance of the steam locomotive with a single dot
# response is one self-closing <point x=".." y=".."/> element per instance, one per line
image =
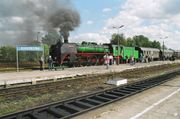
<point x="89" y="53"/>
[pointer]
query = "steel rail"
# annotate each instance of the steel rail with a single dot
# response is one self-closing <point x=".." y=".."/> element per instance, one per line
<point x="75" y="106"/>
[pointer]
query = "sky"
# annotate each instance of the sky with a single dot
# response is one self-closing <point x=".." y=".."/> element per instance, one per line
<point x="156" y="19"/>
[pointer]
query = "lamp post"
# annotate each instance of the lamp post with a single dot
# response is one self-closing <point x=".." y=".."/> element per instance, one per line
<point x="118" y="27"/>
<point x="163" y="46"/>
<point x="41" y="44"/>
<point x="38" y="36"/>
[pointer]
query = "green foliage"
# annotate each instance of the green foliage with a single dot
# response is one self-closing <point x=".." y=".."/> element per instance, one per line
<point x="136" y="41"/>
<point x="156" y="44"/>
<point x="129" y="42"/>
<point x="118" y="38"/>
<point x="51" y="38"/>
<point x="7" y="53"/>
<point x="29" y="56"/>
<point x="46" y="52"/>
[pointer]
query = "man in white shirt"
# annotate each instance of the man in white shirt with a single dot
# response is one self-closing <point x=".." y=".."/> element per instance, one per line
<point x="106" y="60"/>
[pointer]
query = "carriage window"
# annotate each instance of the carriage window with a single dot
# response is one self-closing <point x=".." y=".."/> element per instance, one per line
<point x="116" y="48"/>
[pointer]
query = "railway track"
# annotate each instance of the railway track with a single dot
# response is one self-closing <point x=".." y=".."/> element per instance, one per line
<point x="59" y="85"/>
<point x="41" y="88"/>
<point x="71" y="107"/>
<point x="13" y="92"/>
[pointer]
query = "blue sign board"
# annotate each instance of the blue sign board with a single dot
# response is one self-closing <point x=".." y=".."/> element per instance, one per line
<point x="29" y="48"/>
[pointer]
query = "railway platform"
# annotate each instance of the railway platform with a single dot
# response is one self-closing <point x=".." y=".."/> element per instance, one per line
<point x="22" y="77"/>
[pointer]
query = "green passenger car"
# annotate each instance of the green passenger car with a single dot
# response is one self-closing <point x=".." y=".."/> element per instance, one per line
<point x="117" y="50"/>
<point x="130" y="51"/>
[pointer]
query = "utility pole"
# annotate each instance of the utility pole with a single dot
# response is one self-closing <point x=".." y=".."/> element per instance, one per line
<point x="38" y="36"/>
<point x="118" y="27"/>
<point x="163" y="47"/>
<point x="41" y="44"/>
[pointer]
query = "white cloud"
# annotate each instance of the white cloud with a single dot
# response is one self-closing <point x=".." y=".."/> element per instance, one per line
<point x="89" y="22"/>
<point x="107" y="10"/>
<point x="90" y="37"/>
<point x="152" y="18"/>
<point x="16" y="19"/>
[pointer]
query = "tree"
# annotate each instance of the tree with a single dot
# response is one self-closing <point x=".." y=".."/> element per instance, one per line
<point x="51" y="38"/>
<point x="135" y="41"/>
<point x="115" y="37"/>
<point x="156" y="44"/>
<point x="141" y="41"/>
<point x="129" y="42"/>
<point x="8" y="53"/>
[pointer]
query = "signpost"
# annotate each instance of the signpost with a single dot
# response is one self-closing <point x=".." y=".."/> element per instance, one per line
<point x="28" y="48"/>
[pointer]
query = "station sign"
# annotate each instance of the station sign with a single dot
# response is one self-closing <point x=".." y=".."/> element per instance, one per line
<point x="29" y="48"/>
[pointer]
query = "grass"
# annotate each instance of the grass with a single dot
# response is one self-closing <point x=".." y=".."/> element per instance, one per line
<point x="28" y="102"/>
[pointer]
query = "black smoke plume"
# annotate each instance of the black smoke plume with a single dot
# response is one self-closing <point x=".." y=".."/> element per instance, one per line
<point x="66" y="20"/>
<point x="22" y="20"/>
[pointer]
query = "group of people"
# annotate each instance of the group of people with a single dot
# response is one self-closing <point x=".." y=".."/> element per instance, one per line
<point x="109" y="60"/>
<point x="50" y="63"/>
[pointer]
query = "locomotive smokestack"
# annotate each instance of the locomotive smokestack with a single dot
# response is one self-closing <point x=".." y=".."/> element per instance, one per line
<point x="66" y="35"/>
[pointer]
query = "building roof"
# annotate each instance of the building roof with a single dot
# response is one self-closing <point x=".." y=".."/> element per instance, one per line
<point x="149" y="49"/>
<point x="168" y="50"/>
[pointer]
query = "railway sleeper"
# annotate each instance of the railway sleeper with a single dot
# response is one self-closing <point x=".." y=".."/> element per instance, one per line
<point x="63" y="112"/>
<point x="88" y="105"/>
<point x="52" y="111"/>
<point x="134" y="87"/>
<point x="109" y="96"/>
<point x="123" y="91"/>
<point x="129" y="89"/>
<point x="67" y="109"/>
<point x="100" y="98"/>
<point x="74" y="107"/>
<point x="140" y="86"/>
<point x="98" y="102"/>
<point x="119" y="94"/>
<point x="90" y="101"/>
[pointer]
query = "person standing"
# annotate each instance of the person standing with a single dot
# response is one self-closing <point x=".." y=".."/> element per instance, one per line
<point x="132" y="60"/>
<point x="50" y="62"/>
<point x="141" y="57"/>
<point x="106" y="60"/>
<point x="126" y="59"/>
<point x="41" y="63"/>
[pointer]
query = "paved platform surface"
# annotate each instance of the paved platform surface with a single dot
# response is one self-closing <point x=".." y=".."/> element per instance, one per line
<point x="161" y="102"/>
<point x="29" y="76"/>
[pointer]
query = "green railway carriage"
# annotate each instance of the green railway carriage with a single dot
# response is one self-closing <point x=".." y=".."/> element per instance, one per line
<point x="117" y="50"/>
<point x="130" y="51"/>
<point x="121" y="52"/>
